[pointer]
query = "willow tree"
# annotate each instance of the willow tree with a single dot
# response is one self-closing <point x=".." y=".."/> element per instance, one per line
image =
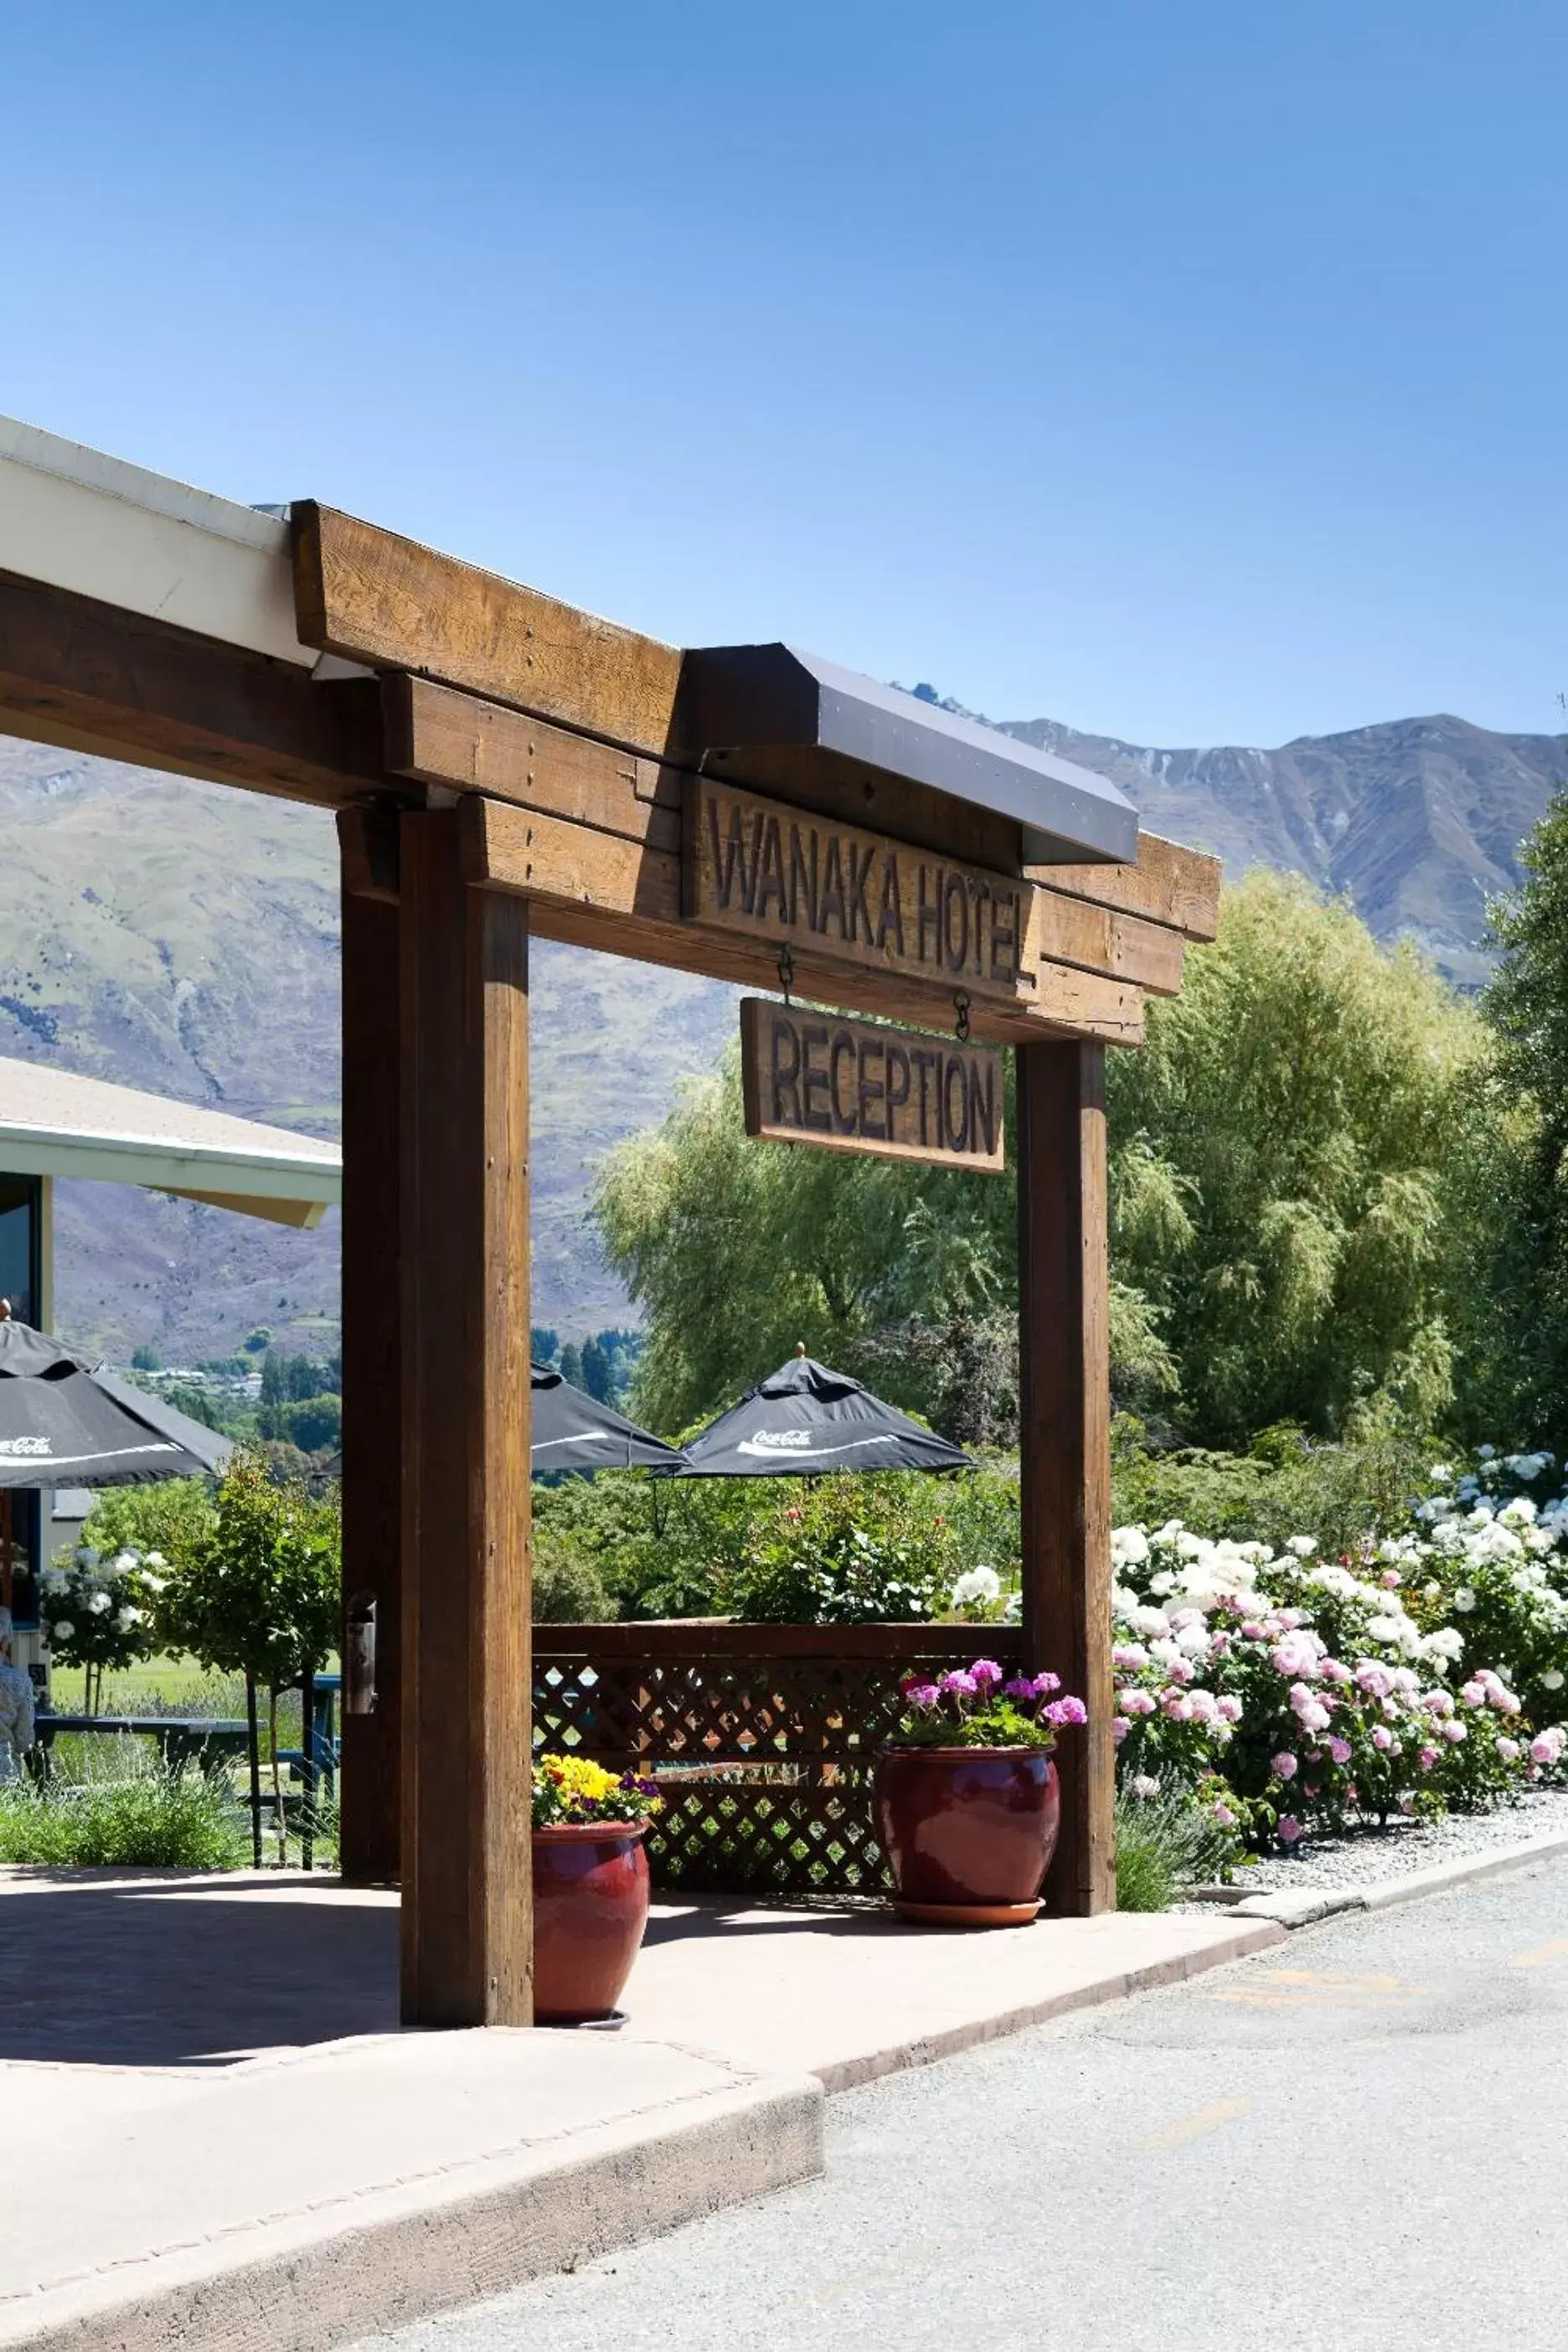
<point x="1287" y="1152"/>
<point x="1290" y="1164"/>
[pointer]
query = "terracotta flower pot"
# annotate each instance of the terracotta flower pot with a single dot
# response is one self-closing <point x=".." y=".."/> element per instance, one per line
<point x="590" y="1908"/>
<point x="968" y="1832"/>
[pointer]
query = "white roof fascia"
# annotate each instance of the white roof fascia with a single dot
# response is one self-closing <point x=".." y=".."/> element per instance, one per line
<point x="26" y="1151"/>
<point x="75" y="518"/>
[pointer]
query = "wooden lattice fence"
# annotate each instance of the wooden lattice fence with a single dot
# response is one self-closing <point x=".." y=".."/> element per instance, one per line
<point x="761" y="1737"/>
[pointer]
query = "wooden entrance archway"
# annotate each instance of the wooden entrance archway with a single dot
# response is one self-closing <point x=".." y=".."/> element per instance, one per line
<point x="503" y="764"/>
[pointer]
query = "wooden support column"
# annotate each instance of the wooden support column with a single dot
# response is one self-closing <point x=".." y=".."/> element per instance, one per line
<point x="1064" y="1349"/>
<point x="467" y="1922"/>
<point x="373" y="1372"/>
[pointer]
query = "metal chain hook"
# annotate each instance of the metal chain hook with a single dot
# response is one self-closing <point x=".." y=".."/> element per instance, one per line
<point x="960" y="1006"/>
<point x="786" y="972"/>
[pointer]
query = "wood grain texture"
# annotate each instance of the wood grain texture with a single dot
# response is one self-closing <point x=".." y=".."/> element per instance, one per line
<point x="1170" y="884"/>
<point x="1063" y="1346"/>
<point x="1070" y="931"/>
<point x="378" y="598"/>
<point x="94" y="678"/>
<point x="603" y="891"/>
<point x="467" y="1893"/>
<point x="370" y="1785"/>
<point x="437" y="736"/>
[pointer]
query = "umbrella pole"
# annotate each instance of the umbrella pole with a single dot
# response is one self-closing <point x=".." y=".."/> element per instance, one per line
<point x="253" y="1749"/>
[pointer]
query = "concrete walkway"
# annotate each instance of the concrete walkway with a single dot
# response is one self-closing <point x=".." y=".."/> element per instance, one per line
<point x="223" y="2141"/>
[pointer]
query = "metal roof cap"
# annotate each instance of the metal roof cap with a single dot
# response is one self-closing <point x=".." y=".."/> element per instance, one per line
<point x="739" y="699"/>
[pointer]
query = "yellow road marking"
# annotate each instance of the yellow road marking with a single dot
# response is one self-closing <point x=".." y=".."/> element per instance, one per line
<point x="1193" y="2126"/>
<point x="1309" y="1988"/>
<point x="1540" y="1956"/>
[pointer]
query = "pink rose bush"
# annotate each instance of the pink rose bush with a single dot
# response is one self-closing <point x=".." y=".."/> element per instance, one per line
<point x="1299" y="1693"/>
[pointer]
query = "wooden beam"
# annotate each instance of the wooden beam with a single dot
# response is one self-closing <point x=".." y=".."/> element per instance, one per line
<point x="1064" y="1351"/>
<point x="92" y="678"/>
<point x="467" y="1885"/>
<point x="1170" y="884"/>
<point x="368" y="843"/>
<point x="601" y="890"/>
<point x="377" y="598"/>
<point x="372" y="1371"/>
<point x="435" y="735"/>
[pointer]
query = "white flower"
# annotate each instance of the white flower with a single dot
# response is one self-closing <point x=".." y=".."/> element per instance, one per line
<point x="1143" y="1786"/>
<point x="978" y="1584"/>
<point x="1551" y="1679"/>
<point x="1302" y="1546"/>
<point x="62" y="1629"/>
<point x="128" y="1617"/>
<point x="123" y="1563"/>
<point x="1129" y="1547"/>
<point x="1383" y="1629"/>
<point x="154" y="1559"/>
<point x="1464" y="1600"/>
<point x="98" y="1602"/>
<point x="1163" y="1583"/>
<point x="86" y="1556"/>
<point x="55" y="1579"/>
<point x="1440" y="1472"/>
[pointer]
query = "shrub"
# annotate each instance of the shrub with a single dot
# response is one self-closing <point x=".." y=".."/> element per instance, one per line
<point x="1167" y="1844"/>
<point x="145" y="1818"/>
<point x="1308" y="1684"/>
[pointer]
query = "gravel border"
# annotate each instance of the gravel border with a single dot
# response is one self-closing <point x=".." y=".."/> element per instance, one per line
<point x="1370" y="1857"/>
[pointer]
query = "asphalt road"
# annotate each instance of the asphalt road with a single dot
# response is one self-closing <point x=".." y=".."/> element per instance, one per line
<point x="1359" y="2139"/>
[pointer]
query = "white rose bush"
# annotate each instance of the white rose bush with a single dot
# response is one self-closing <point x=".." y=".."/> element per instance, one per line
<point x="99" y="1610"/>
<point x="1295" y="1693"/>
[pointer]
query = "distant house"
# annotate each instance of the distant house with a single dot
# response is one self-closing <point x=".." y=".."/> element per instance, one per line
<point x="52" y="1124"/>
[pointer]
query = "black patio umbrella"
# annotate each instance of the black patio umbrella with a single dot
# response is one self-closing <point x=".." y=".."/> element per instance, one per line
<point x="59" y="1427"/>
<point x="806" y="1422"/>
<point x="575" y="1435"/>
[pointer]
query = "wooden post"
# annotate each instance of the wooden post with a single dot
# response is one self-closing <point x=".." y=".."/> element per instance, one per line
<point x="1064" y="1352"/>
<point x="468" y="1921"/>
<point x="370" y="1780"/>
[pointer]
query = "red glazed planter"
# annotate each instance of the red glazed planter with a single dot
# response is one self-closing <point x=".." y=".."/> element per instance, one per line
<point x="590" y="1908"/>
<point x="968" y="1832"/>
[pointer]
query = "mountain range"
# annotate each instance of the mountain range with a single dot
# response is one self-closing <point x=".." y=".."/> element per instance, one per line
<point x="184" y="938"/>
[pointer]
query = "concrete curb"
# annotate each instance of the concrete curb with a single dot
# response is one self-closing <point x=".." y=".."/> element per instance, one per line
<point x="1305" y="1909"/>
<point x="320" y="2279"/>
<point x="1255" y="1934"/>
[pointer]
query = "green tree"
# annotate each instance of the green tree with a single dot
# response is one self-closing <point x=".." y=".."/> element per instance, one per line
<point x="1516" y="1225"/>
<point x="1290" y="1152"/>
<point x="259" y="1594"/>
<point x="1286" y="1157"/>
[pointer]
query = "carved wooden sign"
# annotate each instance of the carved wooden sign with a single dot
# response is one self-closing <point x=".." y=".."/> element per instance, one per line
<point x="853" y="1086"/>
<point x="804" y="881"/>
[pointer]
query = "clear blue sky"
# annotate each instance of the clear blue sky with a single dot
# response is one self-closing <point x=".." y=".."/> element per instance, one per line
<point x="1188" y="370"/>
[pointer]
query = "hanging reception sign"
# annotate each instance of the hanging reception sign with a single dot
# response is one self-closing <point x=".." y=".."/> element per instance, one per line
<point x="856" y="1086"/>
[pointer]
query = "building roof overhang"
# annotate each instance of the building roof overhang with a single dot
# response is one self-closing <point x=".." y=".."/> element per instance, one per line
<point x="55" y="1123"/>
